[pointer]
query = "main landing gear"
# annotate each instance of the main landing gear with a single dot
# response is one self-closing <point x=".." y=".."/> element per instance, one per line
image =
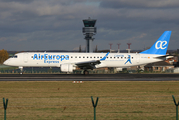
<point x="21" y="70"/>
<point x="85" y="72"/>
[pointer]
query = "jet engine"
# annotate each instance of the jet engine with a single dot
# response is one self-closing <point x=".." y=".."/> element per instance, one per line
<point x="118" y="69"/>
<point x="67" y="68"/>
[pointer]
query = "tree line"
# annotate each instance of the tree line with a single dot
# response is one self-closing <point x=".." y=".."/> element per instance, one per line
<point x="3" y="56"/>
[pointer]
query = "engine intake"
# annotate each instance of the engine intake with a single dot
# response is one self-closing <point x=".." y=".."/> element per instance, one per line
<point x="67" y="68"/>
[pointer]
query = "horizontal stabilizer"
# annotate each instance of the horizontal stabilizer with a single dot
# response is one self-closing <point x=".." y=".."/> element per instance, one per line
<point x="164" y="57"/>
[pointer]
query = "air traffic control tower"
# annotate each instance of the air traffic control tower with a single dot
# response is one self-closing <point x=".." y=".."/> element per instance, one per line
<point x="89" y="30"/>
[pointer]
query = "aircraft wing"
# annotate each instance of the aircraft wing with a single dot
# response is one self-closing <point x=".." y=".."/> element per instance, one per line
<point x="88" y="64"/>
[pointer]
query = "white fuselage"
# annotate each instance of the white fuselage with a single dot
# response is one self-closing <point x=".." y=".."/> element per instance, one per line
<point x="69" y="61"/>
<point x="55" y="59"/>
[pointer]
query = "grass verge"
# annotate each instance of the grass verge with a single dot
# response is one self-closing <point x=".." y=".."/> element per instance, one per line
<point x="64" y="100"/>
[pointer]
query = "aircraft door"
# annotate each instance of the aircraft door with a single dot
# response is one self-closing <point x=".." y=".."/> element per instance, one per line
<point x="25" y="57"/>
<point x="138" y="58"/>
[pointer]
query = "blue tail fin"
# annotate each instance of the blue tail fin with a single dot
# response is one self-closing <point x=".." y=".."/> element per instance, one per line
<point x="160" y="46"/>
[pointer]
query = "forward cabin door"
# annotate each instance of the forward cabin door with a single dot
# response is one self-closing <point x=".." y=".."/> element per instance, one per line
<point x="25" y="57"/>
<point x="138" y="58"/>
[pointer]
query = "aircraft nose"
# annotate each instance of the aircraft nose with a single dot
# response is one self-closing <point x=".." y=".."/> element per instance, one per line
<point x="6" y="62"/>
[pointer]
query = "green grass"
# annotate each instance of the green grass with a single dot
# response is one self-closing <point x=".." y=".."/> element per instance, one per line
<point x="57" y="100"/>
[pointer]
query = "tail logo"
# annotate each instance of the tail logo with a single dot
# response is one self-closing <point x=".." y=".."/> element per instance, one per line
<point x="161" y="45"/>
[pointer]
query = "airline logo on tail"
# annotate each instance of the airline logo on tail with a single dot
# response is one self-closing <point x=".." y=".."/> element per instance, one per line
<point x="161" y="45"/>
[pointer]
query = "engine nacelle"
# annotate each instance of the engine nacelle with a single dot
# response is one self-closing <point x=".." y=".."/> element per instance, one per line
<point x="67" y="68"/>
<point x="118" y="69"/>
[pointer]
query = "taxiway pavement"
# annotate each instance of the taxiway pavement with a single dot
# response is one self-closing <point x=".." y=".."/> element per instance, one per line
<point x="90" y="77"/>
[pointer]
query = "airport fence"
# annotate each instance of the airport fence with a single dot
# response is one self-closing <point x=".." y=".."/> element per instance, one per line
<point x="80" y="108"/>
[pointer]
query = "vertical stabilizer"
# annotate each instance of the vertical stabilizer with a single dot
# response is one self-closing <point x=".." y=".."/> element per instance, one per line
<point x="160" y="46"/>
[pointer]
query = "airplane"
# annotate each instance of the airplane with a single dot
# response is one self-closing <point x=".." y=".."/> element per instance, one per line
<point x="67" y="62"/>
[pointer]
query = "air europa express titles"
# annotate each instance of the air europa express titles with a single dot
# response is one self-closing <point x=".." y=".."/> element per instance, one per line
<point x="50" y="57"/>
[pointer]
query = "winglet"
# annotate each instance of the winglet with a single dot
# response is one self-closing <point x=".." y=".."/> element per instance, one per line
<point x="104" y="58"/>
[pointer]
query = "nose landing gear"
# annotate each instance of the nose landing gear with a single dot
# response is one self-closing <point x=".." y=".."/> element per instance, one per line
<point x="21" y="70"/>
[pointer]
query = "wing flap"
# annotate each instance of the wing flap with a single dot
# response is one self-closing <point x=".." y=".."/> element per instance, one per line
<point x="88" y="64"/>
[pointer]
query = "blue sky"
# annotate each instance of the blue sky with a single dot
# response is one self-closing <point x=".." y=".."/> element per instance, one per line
<point x="57" y="25"/>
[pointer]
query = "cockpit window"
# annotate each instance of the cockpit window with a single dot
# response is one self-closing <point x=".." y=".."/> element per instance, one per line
<point x="15" y="56"/>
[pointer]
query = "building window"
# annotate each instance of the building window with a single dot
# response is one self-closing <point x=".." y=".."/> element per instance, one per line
<point x="156" y="68"/>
